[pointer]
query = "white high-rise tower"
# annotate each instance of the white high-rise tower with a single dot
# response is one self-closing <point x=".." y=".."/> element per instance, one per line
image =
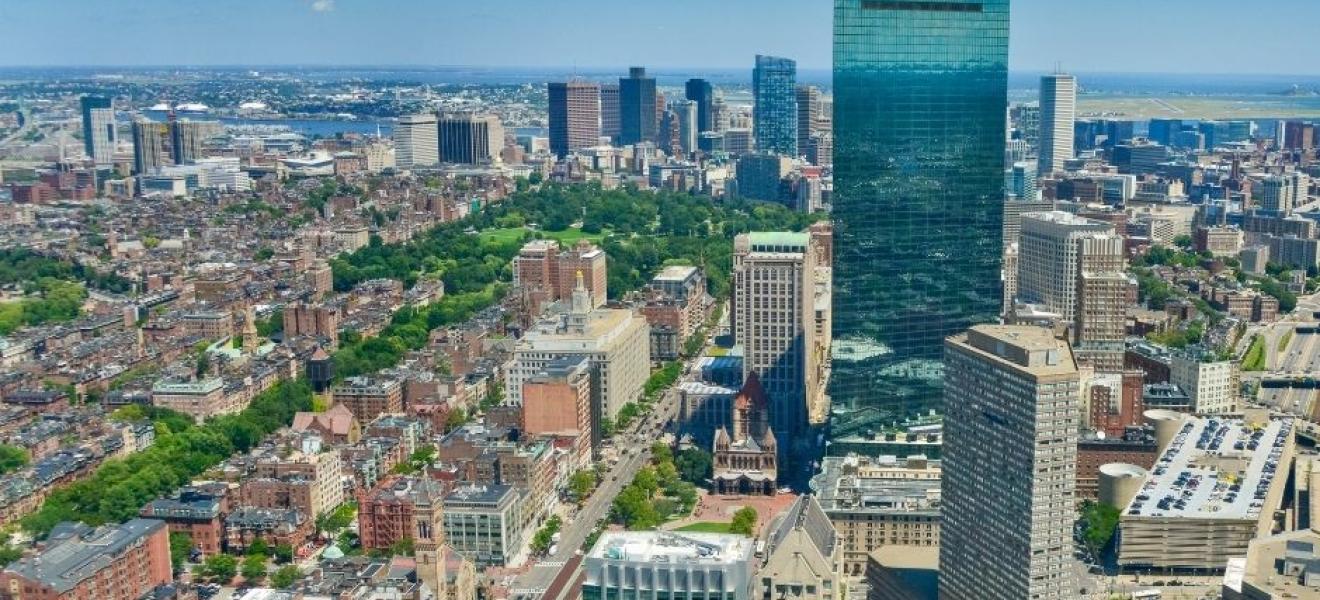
<point x="1058" y="114"/>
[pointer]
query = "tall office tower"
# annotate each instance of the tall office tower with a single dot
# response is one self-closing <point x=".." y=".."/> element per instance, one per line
<point x="1299" y="135"/>
<point x="187" y="138"/>
<point x="720" y="115"/>
<point x="1047" y="261"/>
<point x="808" y="115"/>
<point x="98" y="124"/>
<point x="1278" y="195"/>
<point x="1012" y="400"/>
<point x="574" y="116"/>
<point x="703" y="93"/>
<point x="1058" y="112"/>
<point x="470" y="138"/>
<point x="150" y="145"/>
<point x="1023" y="181"/>
<point x="920" y="93"/>
<point x="773" y="317"/>
<point x="688" y="117"/>
<point x="609" y="111"/>
<point x="416" y="141"/>
<point x="637" y="113"/>
<point x="1099" y="330"/>
<point x="775" y="118"/>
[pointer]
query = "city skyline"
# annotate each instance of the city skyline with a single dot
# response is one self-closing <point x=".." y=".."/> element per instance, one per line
<point x="1037" y="44"/>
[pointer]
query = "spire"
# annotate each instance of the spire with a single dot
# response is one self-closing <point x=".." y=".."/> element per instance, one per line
<point x="581" y="297"/>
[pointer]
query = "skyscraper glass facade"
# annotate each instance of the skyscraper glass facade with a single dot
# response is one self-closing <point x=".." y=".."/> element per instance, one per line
<point x="920" y="94"/>
<point x="639" y="119"/>
<point x="774" y="88"/>
<point x="703" y="93"/>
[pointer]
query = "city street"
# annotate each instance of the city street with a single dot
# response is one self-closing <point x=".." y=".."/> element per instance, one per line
<point x="635" y="448"/>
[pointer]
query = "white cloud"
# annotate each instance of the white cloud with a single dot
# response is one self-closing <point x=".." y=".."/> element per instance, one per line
<point x="323" y="5"/>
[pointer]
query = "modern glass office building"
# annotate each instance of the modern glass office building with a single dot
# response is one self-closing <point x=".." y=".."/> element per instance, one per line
<point x="920" y="94"/>
<point x="703" y="93"/>
<point x="638" y="115"/>
<point x="774" y="118"/>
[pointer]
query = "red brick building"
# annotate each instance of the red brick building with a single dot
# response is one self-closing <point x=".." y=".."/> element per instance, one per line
<point x="197" y="511"/>
<point x="81" y="563"/>
<point x="1137" y="447"/>
<point x="386" y="513"/>
<point x="1116" y="402"/>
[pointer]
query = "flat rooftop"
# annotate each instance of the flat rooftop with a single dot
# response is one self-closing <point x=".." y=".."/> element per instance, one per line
<point x="883" y="485"/>
<point x="675" y="273"/>
<point x="672" y="547"/>
<point x="1216" y="468"/>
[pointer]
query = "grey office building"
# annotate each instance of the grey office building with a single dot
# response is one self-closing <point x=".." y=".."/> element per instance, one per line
<point x="98" y="124"/>
<point x="1010" y="461"/>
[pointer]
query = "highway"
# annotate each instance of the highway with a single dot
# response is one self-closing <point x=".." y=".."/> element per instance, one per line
<point x="636" y="442"/>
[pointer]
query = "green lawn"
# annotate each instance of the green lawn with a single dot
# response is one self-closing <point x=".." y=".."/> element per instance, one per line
<point x="1285" y="340"/>
<point x="566" y="237"/>
<point x="1254" y="360"/>
<point x="706" y="527"/>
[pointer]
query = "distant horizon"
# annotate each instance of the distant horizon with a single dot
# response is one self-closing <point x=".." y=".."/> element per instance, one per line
<point x="621" y="68"/>
<point x="1194" y="36"/>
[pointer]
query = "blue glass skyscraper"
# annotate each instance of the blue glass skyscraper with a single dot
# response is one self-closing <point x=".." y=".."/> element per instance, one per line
<point x="774" y="118"/>
<point x="639" y="117"/>
<point x="703" y="93"/>
<point x="920" y="93"/>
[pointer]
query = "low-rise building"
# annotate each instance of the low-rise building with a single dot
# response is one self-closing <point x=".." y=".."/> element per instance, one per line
<point x="368" y="398"/>
<point x="1284" y="566"/>
<point x="485" y="523"/>
<point x="663" y="564"/>
<point x="201" y="399"/>
<point x="273" y="526"/>
<point x="308" y="479"/>
<point x="874" y="502"/>
<point x="1213" y="385"/>
<point x="197" y="511"/>
<point x="1215" y="487"/>
<point x="122" y="562"/>
<point x="802" y="556"/>
<point x="385" y="514"/>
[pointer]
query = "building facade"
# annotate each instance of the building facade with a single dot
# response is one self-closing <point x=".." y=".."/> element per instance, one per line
<point x="470" y="138"/>
<point x="772" y="318"/>
<point x="703" y="93"/>
<point x="639" y="121"/>
<point x="920" y="98"/>
<point x="662" y="564"/>
<point x="485" y="523"/>
<point x="99" y="130"/>
<point x="1010" y="457"/>
<point x="574" y="116"/>
<point x="775" y="113"/>
<point x="415" y="142"/>
<point x="1212" y="385"/>
<point x="123" y="562"/>
<point x="1058" y="113"/>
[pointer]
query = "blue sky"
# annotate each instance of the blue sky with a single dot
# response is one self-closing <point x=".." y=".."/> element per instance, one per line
<point x="1165" y="36"/>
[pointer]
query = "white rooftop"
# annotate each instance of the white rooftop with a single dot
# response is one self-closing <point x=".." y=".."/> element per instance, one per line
<point x="1215" y="468"/>
<point x="673" y="547"/>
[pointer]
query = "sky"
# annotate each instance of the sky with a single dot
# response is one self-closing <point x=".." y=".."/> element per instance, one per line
<point x="1114" y="36"/>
